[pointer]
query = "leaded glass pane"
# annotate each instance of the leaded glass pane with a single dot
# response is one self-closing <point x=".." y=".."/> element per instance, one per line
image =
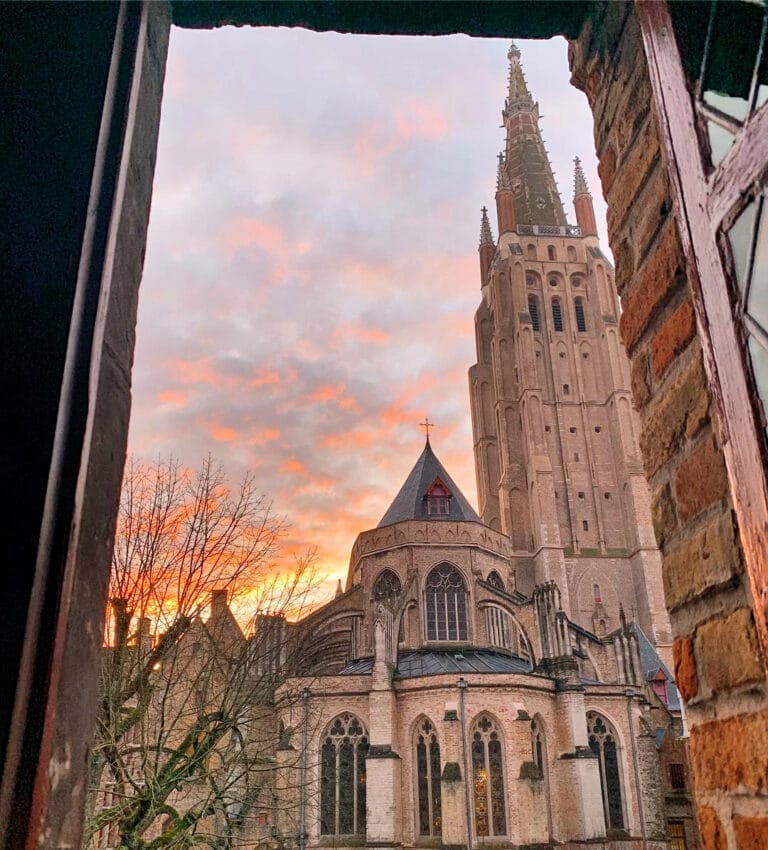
<point x="328" y="789"/>
<point x="446" y="603"/>
<point x="360" y="776"/>
<point x="387" y="586"/>
<point x="498" y="808"/>
<point x="613" y="783"/>
<point x="346" y="788"/>
<point x="480" y="784"/>
<point x="740" y="239"/>
<point x="421" y="772"/>
<point x="342" y="778"/>
<point x="490" y="806"/>
<point x="760" y="368"/>
<point x="434" y="774"/>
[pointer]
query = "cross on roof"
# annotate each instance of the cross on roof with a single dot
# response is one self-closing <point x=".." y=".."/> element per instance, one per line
<point x="426" y="425"/>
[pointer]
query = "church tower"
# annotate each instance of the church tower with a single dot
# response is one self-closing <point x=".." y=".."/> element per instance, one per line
<point x="555" y="436"/>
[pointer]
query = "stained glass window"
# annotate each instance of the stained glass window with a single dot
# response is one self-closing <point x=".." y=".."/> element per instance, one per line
<point x="342" y="777"/>
<point x="602" y="740"/>
<point x="428" y="779"/>
<point x="490" y="807"/>
<point x="446" y="604"/>
<point x="387" y="586"/>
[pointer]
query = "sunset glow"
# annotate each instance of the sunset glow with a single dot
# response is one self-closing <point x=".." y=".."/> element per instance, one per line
<point x="311" y="272"/>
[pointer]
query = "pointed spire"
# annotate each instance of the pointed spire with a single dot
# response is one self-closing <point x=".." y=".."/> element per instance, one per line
<point x="486" y="236"/>
<point x="339" y="588"/>
<point x="518" y="87"/>
<point x="579" y="180"/>
<point x="502" y="178"/>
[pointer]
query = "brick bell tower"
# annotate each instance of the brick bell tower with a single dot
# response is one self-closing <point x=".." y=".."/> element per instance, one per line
<point x="555" y="436"/>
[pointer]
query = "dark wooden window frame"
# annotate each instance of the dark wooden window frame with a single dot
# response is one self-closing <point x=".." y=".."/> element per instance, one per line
<point x="703" y="203"/>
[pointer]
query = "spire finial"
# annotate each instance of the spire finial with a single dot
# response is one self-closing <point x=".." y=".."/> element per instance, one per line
<point x="579" y="180"/>
<point x="486" y="236"/>
<point x="514" y="50"/>
<point x="502" y="178"/>
<point x="518" y="94"/>
<point x="426" y="425"/>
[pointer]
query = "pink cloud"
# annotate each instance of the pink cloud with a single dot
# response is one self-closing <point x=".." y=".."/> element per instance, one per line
<point x="174" y="398"/>
<point x="294" y="466"/>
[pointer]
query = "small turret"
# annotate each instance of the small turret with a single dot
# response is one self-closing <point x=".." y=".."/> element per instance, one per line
<point x="505" y="200"/>
<point x="487" y="247"/>
<point x="582" y="202"/>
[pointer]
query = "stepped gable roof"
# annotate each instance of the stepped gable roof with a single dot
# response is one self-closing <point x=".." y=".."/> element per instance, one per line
<point x="411" y="502"/>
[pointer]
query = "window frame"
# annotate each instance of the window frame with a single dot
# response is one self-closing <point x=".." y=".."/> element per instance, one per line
<point x="461" y="607"/>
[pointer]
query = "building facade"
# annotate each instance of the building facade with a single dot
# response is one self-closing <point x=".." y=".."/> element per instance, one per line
<point x="500" y="677"/>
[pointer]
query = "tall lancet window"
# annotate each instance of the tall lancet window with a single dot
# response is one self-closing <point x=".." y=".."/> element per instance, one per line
<point x="602" y="740"/>
<point x="557" y="315"/>
<point x="578" y="309"/>
<point x="342" y="777"/>
<point x="533" y="312"/>
<point x="538" y="746"/>
<point x="428" y="779"/>
<point x="446" y="604"/>
<point x="488" y="779"/>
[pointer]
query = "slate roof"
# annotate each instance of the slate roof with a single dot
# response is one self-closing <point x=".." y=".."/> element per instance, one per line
<point x="410" y="502"/>
<point x="415" y="663"/>
<point x="651" y="663"/>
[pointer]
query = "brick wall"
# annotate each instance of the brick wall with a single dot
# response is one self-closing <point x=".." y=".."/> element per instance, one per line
<point x="718" y="665"/>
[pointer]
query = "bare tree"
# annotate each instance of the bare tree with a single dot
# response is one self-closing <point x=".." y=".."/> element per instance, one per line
<point x="185" y="742"/>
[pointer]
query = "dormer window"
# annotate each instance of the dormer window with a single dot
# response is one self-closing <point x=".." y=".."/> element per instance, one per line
<point x="438" y="499"/>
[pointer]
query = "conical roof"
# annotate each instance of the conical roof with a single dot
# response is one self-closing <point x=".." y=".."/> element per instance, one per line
<point x="411" y="502"/>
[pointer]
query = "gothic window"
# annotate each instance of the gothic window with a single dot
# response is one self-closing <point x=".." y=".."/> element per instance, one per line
<point x="438" y="499"/>
<point x="488" y="779"/>
<point x="533" y="311"/>
<point x="428" y="779"/>
<point x="342" y="777"/>
<point x="557" y="315"/>
<point x="446" y="604"/>
<point x="602" y="741"/>
<point x="494" y="579"/>
<point x="537" y="745"/>
<point x="578" y="308"/>
<point x="551" y="252"/>
<point x="387" y="586"/>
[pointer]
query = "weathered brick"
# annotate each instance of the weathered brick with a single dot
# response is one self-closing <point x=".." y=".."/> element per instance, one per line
<point x="686" y="677"/>
<point x="651" y="211"/>
<point x="653" y="284"/>
<point x="673" y="336"/>
<point x="740" y="663"/>
<point x="704" y="561"/>
<point x="730" y="753"/>
<point x="606" y="168"/>
<point x="630" y="176"/>
<point x="701" y="479"/>
<point x="663" y="514"/>
<point x="679" y="412"/>
<point x="711" y="830"/>
<point x="751" y="833"/>
<point x="624" y="257"/>
<point x="641" y="391"/>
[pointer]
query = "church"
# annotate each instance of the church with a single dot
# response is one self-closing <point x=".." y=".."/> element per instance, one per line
<point x="501" y="676"/>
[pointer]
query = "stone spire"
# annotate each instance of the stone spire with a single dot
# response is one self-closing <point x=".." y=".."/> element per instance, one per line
<point x="579" y="180"/>
<point x="536" y="197"/>
<point x="582" y="201"/>
<point x="505" y="199"/>
<point x="486" y="236"/>
<point x="502" y="178"/>
<point x="487" y="247"/>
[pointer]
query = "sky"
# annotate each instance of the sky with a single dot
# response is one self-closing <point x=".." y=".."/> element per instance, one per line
<point x="311" y="272"/>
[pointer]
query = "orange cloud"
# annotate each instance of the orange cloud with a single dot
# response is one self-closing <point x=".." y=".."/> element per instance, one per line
<point x="176" y="398"/>
<point x="357" y="333"/>
<point x="264" y="435"/>
<point x="223" y="434"/>
<point x="420" y="119"/>
<point x="294" y="466"/>
<point x="249" y="231"/>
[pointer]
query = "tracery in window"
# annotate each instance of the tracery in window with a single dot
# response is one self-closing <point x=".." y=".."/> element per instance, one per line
<point x="446" y="604"/>
<point x="428" y="779"/>
<point x="602" y="740"/>
<point x="557" y="315"/>
<point x="578" y="309"/>
<point x="387" y="586"/>
<point x="342" y="777"/>
<point x="488" y="778"/>
<point x="533" y="312"/>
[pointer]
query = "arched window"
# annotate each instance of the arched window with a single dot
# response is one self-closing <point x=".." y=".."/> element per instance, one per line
<point x="538" y="746"/>
<point x="571" y="254"/>
<point x="533" y="311"/>
<point x="342" y="777"/>
<point x="494" y="579"/>
<point x="576" y="280"/>
<point x="428" y="779"/>
<point x="446" y="604"/>
<point x="551" y="252"/>
<point x="602" y="740"/>
<point x="488" y="779"/>
<point x="578" y="308"/>
<point x="531" y="279"/>
<point x="557" y="315"/>
<point x="530" y="252"/>
<point x="387" y="586"/>
<point x="596" y="593"/>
